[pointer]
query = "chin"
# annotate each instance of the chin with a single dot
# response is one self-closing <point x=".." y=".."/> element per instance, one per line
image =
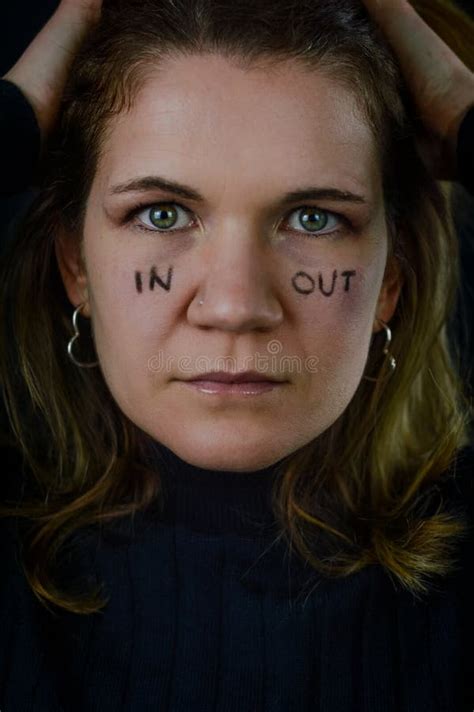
<point x="237" y="456"/>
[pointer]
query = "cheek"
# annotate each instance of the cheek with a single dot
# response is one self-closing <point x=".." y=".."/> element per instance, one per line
<point x="335" y="298"/>
<point x="132" y="314"/>
<point x="337" y="328"/>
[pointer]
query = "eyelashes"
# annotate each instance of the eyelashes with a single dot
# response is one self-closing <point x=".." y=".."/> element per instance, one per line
<point x="308" y="211"/>
<point x="161" y="208"/>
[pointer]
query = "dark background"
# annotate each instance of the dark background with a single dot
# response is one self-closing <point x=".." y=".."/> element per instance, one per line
<point x="19" y="23"/>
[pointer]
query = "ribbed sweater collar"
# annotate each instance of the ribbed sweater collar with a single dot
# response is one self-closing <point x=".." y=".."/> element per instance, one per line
<point x="214" y="501"/>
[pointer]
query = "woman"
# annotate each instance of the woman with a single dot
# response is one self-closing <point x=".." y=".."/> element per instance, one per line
<point x="301" y="544"/>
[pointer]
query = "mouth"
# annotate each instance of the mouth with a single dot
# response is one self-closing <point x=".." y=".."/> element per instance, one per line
<point x="234" y="378"/>
<point x="248" y="383"/>
<point x="245" y="388"/>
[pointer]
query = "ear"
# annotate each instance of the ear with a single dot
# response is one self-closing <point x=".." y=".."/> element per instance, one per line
<point x="71" y="265"/>
<point x="389" y="293"/>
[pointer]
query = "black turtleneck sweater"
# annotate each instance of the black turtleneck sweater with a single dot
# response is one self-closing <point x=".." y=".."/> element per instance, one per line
<point x="209" y="612"/>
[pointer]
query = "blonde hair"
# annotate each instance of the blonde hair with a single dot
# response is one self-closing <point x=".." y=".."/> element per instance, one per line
<point x="355" y="496"/>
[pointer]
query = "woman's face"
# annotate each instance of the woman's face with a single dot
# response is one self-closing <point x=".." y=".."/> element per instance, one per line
<point x="292" y="286"/>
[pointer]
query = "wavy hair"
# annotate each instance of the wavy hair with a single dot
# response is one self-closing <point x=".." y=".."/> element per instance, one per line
<point x="359" y="493"/>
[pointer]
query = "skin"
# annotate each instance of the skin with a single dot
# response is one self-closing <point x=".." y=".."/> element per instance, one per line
<point x="42" y="69"/>
<point x="441" y="85"/>
<point x="241" y="150"/>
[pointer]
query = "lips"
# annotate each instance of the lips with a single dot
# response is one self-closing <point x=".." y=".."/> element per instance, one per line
<point x="226" y="377"/>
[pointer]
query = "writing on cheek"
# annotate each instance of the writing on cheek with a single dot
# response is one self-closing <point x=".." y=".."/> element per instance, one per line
<point x="303" y="283"/>
<point x="153" y="279"/>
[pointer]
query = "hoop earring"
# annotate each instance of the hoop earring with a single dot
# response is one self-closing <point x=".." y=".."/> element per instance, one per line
<point x="391" y="360"/>
<point x="73" y="339"/>
<point x="388" y="332"/>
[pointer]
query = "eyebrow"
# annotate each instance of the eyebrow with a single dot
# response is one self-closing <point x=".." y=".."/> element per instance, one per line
<point x="147" y="183"/>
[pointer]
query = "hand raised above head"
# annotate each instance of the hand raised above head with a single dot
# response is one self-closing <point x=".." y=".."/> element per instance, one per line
<point x="42" y="69"/>
<point x="441" y="85"/>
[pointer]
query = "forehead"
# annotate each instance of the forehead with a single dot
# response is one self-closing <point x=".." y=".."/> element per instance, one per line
<point x="214" y="118"/>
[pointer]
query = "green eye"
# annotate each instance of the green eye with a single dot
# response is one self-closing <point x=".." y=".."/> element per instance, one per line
<point x="312" y="219"/>
<point x="162" y="217"/>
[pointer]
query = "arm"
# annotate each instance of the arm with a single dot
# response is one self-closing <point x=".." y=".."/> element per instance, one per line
<point x="30" y="92"/>
<point x="441" y="85"/>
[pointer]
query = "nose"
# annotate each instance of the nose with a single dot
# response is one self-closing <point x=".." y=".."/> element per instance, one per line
<point x="237" y="287"/>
